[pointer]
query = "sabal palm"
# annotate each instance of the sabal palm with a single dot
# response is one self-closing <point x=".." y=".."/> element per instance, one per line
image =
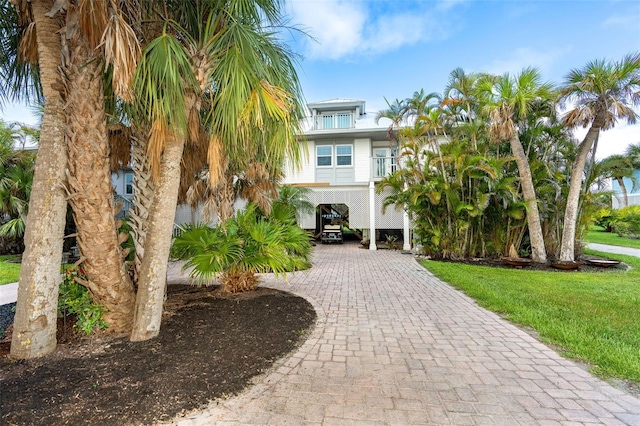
<point x="603" y="92"/>
<point x="511" y="99"/>
<point x="36" y="311"/>
<point x="241" y="247"/>
<point x="217" y="75"/>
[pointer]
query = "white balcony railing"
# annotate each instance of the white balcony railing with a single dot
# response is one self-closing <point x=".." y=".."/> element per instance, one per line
<point x="382" y="166"/>
<point x="341" y="120"/>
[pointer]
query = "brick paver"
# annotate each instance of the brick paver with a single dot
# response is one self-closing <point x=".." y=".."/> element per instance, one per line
<point x="393" y="345"/>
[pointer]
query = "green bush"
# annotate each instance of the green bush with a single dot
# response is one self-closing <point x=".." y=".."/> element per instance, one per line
<point x="603" y="218"/>
<point x="626" y="222"/>
<point x="75" y="299"/>
<point x="242" y="246"/>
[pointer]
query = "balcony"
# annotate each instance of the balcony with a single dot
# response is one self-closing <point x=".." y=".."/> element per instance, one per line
<point x="340" y="120"/>
<point x="382" y="166"/>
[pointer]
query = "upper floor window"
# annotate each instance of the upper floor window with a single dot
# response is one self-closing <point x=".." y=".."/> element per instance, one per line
<point x="344" y="155"/>
<point x="324" y="155"/>
<point x="128" y="183"/>
<point x="338" y="120"/>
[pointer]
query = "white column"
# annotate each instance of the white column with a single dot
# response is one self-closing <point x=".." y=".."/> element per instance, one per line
<point x="406" y="246"/>
<point x="372" y="216"/>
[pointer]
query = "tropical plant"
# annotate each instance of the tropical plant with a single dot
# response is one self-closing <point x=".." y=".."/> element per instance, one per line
<point x="618" y="167"/>
<point x="293" y="202"/>
<point x="626" y="222"/>
<point x="602" y="93"/>
<point x="218" y="77"/>
<point x="16" y="177"/>
<point x="76" y="300"/>
<point x="241" y="247"/>
<point x="36" y="70"/>
<point x="510" y="100"/>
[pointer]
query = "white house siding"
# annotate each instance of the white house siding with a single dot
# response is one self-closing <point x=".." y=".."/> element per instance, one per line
<point x="306" y="174"/>
<point x="361" y="159"/>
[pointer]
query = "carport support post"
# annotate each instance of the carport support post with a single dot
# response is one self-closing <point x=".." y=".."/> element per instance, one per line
<point x="372" y="216"/>
<point x="406" y="246"/>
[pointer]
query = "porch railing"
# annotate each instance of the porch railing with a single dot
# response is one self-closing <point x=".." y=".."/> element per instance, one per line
<point x="383" y="166"/>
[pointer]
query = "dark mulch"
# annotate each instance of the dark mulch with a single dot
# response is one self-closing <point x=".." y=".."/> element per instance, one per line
<point x="498" y="263"/>
<point x="210" y="346"/>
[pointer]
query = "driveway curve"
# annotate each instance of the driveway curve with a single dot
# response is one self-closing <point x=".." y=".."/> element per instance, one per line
<point x="395" y="345"/>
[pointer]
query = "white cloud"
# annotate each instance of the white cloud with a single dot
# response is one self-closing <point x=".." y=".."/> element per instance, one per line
<point x="343" y="28"/>
<point x="525" y="57"/>
<point x="613" y="141"/>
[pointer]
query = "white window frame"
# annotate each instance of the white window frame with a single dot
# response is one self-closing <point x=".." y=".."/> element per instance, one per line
<point x="344" y="155"/>
<point x="330" y="156"/>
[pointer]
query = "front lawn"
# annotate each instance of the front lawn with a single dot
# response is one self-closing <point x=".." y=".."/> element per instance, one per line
<point x="599" y="236"/>
<point x="592" y="316"/>
<point x="9" y="272"/>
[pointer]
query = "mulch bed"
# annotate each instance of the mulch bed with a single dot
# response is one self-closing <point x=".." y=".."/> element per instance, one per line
<point x="210" y="346"/>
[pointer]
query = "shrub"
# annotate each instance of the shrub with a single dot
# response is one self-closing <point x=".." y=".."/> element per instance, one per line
<point x="75" y="299"/>
<point x="242" y="246"/>
<point x="626" y="222"/>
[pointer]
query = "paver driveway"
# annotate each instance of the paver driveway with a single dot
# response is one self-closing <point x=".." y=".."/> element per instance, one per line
<point x="395" y="345"/>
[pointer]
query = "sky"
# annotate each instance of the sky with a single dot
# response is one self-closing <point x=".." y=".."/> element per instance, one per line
<point x="377" y="49"/>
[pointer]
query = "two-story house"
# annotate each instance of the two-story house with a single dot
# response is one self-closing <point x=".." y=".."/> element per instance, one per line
<point x="348" y="153"/>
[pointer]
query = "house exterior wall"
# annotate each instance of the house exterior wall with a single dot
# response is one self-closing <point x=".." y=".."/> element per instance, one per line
<point x="306" y="174"/>
<point x="362" y="162"/>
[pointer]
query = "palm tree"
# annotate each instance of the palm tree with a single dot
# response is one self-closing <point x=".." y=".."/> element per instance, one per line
<point x="215" y="75"/>
<point x="36" y="311"/>
<point x="603" y="93"/>
<point x="241" y="247"/>
<point x="295" y="201"/>
<point x="513" y="97"/>
<point x="396" y="113"/>
<point x="618" y="167"/>
<point x="95" y="26"/>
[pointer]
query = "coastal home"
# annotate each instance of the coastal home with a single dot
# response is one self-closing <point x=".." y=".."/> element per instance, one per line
<point x="347" y="155"/>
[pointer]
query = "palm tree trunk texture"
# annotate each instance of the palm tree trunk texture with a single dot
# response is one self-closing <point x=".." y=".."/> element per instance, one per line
<point x="538" y="251"/>
<point x="34" y="328"/>
<point x="153" y="271"/>
<point x="91" y="189"/>
<point x="567" y="248"/>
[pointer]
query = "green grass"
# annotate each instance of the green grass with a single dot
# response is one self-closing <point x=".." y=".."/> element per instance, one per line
<point x="592" y="316"/>
<point x="597" y="235"/>
<point x="9" y="272"/>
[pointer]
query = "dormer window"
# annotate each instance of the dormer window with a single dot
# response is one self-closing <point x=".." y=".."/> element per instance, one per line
<point x="335" y="120"/>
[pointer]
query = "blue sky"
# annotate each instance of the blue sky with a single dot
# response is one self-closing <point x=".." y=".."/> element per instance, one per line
<point x="377" y="48"/>
<point x="372" y="49"/>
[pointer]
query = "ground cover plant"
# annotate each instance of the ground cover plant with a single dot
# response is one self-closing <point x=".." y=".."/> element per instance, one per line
<point x="600" y="236"/>
<point x="592" y="316"/>
<point x="210" y="346"/>
<point x="9" y="271"/>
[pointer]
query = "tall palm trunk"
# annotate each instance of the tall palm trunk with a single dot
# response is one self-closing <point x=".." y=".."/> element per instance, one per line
<point x="91" y="190"/>
<point x="567" y="248"/>
<point x="538" y="251"/>
<point x="623" y="188"/>
<point x="34" y="332"/>
<point x="153" y="271"/>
